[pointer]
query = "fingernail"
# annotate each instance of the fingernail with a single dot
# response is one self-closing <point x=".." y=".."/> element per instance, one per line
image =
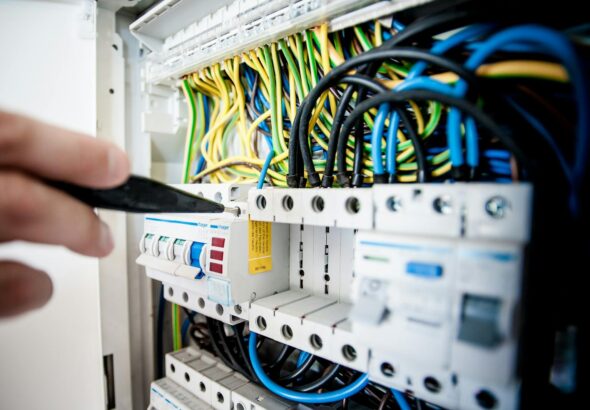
<point x="28" y="290"/>
<point x="118" y="165"/>
<point x="106" y="239"/>
<point x="37" y="296"/>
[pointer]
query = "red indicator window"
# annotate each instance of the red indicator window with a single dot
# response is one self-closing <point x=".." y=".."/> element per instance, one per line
<point x="217" y="255"/>
<point x="216" y="267"/>
<point x="218" y="242"/>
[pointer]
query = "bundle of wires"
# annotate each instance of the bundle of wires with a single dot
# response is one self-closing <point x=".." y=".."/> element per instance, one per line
<point x="324" y="109"/>
<point x="383" y="103"/>
<point x="290" y="373"/>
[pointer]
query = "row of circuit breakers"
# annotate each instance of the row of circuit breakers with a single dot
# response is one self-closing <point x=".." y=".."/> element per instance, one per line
<point x="416" y="285"/>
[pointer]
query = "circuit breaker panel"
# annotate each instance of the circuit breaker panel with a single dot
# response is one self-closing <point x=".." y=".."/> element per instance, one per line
<point x="413" y="310"/>
<point x="384" y="157"/>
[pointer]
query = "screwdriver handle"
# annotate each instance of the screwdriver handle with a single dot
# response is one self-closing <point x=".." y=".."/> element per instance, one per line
<point x="140" y="195"/>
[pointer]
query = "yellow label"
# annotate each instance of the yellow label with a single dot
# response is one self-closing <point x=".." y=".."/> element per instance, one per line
<point x="259" y="247"/>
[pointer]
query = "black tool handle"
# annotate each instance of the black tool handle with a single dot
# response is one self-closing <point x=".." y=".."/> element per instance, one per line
<point x="141" y="195"/>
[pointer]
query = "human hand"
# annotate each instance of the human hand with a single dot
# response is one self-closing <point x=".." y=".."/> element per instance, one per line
<point x="31" y="151"/>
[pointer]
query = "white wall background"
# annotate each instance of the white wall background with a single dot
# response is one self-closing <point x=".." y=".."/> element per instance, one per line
<point x="51" y="358"/>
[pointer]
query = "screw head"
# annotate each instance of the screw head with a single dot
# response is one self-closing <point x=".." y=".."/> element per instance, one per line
<point x="394" y="203"/>
<point x="497" y="207"/>
<point x="443" y="205"/>
<point x="374" y="285"/>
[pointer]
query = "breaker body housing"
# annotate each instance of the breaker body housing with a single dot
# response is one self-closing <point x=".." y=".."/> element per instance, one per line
<point x="207" y="262"/>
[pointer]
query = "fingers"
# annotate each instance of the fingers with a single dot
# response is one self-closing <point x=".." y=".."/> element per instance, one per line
<point x="55" y="153"/>
<point x="32" y="211"/>
<point x="22" y="288"/>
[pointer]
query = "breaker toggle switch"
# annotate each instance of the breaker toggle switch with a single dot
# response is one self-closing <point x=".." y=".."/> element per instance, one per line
<point x="150" y="244"/>
<point x="370" y="307"/>
<point x="198" y="251"/>
<point x="479" y="321"/>
<point x="166" y="248"/>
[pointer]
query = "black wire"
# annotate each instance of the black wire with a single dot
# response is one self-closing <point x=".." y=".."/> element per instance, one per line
<point x="277" y="364"/>
<point x="217" y="348"/>
<point x="425" y="27"/>
<point x="355" y="79"/>
<point x="416" y="142"/>
<point x="373" y="395"/>
<point x="295" y="160"/>
<point x="328" y="178"/>
<point x="239" y="336"/>
<point x="220" y="346"/>
<point x="299" y="371"/>
<point x="465" y="106"/>
<point x="328" y="375"/>
<point x="421" y="28"/>
<point x="384" y="400"/>
<point x="428" y="26"/>
<point x="225" y="345"/>
<point x="422" y="164"/>
<point x="357" y="167"/>
<point x="304" y="113"/>
<point x="190" y="314"/>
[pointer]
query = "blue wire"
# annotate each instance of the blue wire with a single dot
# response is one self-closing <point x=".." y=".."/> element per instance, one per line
<point x="499" y="163"/>
<point x="397" y="25"/>
<point x="553" y="43"/>
<point x="346" y="53"/>
<point x="184" y="329"/>
<point x="510" y="48"/>
<point x="391" y="148"/>
<point x="249" y="78"/>
<point x="264" y="126"/>
<point x="376" y="138"/>
<point x="307" y="398"/>
<point x="454" y="139"/>
<point x="435" y="150"/>
<point x="301" y="358"/>
<point x="201" y="162"/>
<point x="439" y="48"/>
<point x="391" y="145"/>
<point x="501" y="171"/>
<point x="496" y="153"/>
<point x="257" y="103"/>
<point x="400" y="399"/>
<point x="504" y="180"/>
<point x="264" y="101"/>
<point x="267" y="161"/>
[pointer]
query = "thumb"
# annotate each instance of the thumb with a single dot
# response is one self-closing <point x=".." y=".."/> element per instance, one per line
<point x="22" y="288"/>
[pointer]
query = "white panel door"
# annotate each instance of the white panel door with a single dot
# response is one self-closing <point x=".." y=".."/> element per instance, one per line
<point x="51" y="358"/>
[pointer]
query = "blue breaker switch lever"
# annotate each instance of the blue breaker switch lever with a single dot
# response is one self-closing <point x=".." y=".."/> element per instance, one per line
<point x="195" y="257"/>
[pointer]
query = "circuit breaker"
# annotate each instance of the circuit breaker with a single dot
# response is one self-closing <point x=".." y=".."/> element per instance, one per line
<point x="216" y="264"/>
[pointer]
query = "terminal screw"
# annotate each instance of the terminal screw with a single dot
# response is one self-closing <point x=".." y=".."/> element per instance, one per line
<point x="443" y="205"/>
<point x="497" y="207"/>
